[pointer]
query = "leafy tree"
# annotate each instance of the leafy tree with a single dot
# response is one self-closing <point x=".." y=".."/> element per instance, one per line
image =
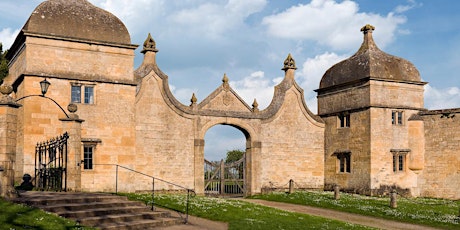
<point x="234" y="155"/>
<point x="3" y="63"/>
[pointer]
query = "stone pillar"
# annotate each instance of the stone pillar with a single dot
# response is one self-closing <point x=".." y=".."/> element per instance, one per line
<point x="416" y="143"/>
<point x="253" y="150"/>
<point x="393" y="202"/>
<point x="72" y="125"/>
<point x="8" y="121"/>
<point x="291" y="186"/>
<point x="336" y="192"/>
<point x="199" y="169"/>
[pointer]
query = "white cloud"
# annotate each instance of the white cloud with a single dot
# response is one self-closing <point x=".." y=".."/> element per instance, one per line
<point x="137" y="15"/>
<point x="403" y="8"/>
<point x="256" y="86"/>
<point x="7" y="36"/>
<point x="311" y="73"/>
<point x="220" y="139"/>
<point x="331" y="23"/>
<point x="214" y="19"/>
<point x="184" y="95"/>
<point x="446" y="98"/>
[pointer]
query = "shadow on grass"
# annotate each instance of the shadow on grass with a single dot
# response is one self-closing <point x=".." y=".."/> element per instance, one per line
<point x="17" y="216"/>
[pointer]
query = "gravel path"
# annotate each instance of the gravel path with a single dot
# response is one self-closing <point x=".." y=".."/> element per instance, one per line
<point x="342" y="216"/>
<point x="196" y="223"/>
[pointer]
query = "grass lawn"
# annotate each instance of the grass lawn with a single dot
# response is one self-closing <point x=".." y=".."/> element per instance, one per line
<point x="15" y="217"/>
<point x="243" y="215"/>
<point x="432" y="212"/>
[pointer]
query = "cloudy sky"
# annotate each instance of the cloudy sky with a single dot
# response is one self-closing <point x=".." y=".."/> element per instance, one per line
<point x="200" y="40"/>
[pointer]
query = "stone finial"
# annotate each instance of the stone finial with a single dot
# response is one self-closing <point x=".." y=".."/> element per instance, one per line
<point x="193" y="100"/>
<point x="6" y="89"/>
<point x="149" y="45"/>
<point x="72" y="108"/>
<point x="5" y="98"/>
<point x="225" y="81"/>
<point x="289" y="63"/>
<point x="367" y="28"/>
<point x="255" y="106"/>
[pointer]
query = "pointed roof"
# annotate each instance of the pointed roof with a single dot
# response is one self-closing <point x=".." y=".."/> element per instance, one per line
<point x="77" y="19"/>
<point x="370" y="62"/>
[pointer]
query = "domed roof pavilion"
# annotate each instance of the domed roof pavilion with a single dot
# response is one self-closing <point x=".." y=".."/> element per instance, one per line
<point x="77" y="19"/>
<point x="369" y="63"/>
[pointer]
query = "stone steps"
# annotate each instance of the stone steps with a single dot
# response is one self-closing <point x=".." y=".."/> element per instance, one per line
<point x="103" y="211"/>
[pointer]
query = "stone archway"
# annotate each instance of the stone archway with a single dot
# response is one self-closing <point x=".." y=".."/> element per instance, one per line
<point x="199" y="154"/>
<point x="283" y="141"/>
<point x="223" y="177"/>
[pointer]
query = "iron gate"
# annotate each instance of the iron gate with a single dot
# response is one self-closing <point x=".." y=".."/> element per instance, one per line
<point x="51" y="164"/>
<point x="224" y="179"/>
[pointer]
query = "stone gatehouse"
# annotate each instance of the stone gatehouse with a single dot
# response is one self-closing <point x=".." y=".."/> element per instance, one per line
<point x="372" y="132"/>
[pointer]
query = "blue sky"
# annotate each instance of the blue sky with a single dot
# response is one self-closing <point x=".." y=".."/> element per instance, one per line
<point x="200" y="40"/>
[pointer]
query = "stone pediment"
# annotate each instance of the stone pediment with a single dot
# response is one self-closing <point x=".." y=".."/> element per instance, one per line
<point x="224" y="98"/>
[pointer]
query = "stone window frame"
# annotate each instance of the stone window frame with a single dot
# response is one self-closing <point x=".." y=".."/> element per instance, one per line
<point x="397" y="117"/>
<point x="89" y="161"/>
<point x="88" y="157"/>
<point x="343" y="164"/>
<point x="399" y="162"/>
<point x="82" y="93"/>
<point x="343" y="120"/>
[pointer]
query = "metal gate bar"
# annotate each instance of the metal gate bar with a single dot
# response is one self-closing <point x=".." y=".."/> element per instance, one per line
<point x="51" y="164"/>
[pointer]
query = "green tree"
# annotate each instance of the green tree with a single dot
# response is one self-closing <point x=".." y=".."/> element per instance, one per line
<point x="3" y="63"/>
<point x="234" y="155"/>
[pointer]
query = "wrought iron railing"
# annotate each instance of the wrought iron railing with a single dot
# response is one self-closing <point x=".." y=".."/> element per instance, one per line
<point x="51" y="164"/>
<point x="190" y="193"/>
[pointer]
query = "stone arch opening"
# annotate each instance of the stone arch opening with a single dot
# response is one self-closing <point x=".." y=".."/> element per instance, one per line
<point x="224" y="176"/>
<point x="221" y="138"/>
<point x="200" y="156"/>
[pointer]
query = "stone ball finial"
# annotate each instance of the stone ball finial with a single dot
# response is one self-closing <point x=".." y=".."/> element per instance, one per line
<point x="367" y="28"/>
<point x="72" y="108"/>
<point x="6" y="89"/>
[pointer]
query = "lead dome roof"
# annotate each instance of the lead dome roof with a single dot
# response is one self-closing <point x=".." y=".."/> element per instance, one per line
<point x="77" y="19"/>
<point x="369" y="62"/>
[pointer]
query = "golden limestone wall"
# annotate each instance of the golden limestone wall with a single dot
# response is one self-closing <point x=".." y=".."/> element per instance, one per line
<point x="292" y="147"/>
<point x="353" y="139"/>
<point x="386" y="139"/>
<point x="283" y="142"/>
<point x="441" y="174"/>
<point x="164" y="139"/>
<point x="79" y="60"/>
<point x="109" y="120"/>
<point x="371" y="138"/>
<point x="38" y="120"/>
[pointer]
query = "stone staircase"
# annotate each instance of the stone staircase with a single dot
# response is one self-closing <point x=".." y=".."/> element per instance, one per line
<point x="103" y="211"/>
